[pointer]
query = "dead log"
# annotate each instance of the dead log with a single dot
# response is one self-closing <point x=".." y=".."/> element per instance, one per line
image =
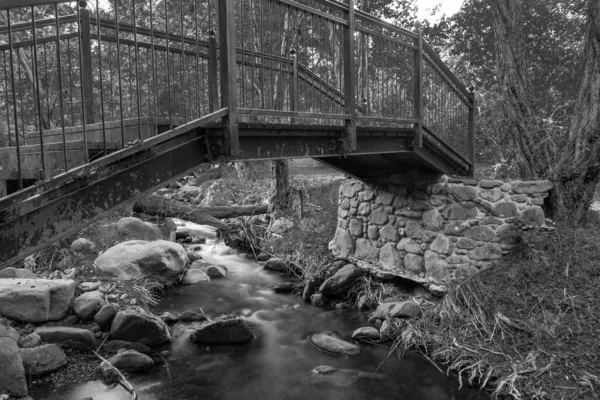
<point x="159" y="206"/>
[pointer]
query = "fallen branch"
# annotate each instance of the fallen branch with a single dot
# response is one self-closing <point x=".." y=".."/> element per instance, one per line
<point x="122" y="380"/>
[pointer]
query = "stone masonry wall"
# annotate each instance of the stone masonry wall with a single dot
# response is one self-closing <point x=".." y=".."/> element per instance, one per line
<point x="434" y="227"/>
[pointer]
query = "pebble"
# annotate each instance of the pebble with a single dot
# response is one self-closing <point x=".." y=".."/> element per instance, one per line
<point x="124" y="296"/>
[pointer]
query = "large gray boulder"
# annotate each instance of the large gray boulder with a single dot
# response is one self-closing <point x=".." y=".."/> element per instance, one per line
<point x="35" y="300"/>
<point x="43" y="359"/>
<point x="403" y="309"/>
<point x="12" y="373"/>
<point x="227" y="329"/>
<point x="341" y="280"/>
<point x="137" y="325"/>
<point x="88" y="304"/>
<point x="105" y="316"/>
<point x="136" y="229"/>
<point x="135" y="258"/>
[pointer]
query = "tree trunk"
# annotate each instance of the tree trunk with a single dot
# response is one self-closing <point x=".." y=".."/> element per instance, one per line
<point x="577" y="172"/>
<point x="574" y="167"/>
<point x="159" y="206"/>
<point x="281" y="186"/>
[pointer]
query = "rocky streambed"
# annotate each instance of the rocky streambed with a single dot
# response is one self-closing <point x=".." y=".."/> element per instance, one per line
<point x="230" y="330"/>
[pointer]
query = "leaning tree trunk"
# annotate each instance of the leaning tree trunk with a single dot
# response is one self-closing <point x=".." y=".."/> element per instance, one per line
<point x="578" y="169"/>
<point x="575" y="170"/>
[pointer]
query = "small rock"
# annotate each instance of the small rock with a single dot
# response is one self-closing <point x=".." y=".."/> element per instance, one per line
<point x="194" y="256"/>
<point x="216" y="271"/>
<point x="341" y="280"/>
<point x="387" y="330"/>
<point x="227" y="329"/>
<point x="131" y="361"/>
<point x="88" y="304"/>
<point x="105" y="316"/>
<point x="284" y="287"/>
<point x="332" y="343"/>
<point x="112" y="297"/>
<point x="169" y="318"/>
<point x="114" y="346"/>
<point x="123" y="296"/>
<point x="404" y="309"/>
<point x="89" y="286"/>
<point x="263" y="257"/>
<point x="192" y="316"/>
<point x="83" y="245"/>
<point x="366" y="333"/>
<point x="106" y="287"/>
<point x="110" y="374"/>
<point x="70" y="320"/>
<point x="43" y="359"/>
<point x="137" y="325"/>
<point x="29" y="341"/>
<point x="275" y="264"/>
<point x="193" y="276"/>
<point x="318" y="300"/>
<point x="165" y="353"/>
<point x="365" y="303"/>
<point x="133" y="302"/>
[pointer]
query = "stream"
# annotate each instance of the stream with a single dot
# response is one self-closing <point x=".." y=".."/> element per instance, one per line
<point x="276" y="364"/>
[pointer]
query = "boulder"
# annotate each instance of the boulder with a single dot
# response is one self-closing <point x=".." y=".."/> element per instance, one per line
<point x="275" y="264"/>
<point x="284" y="287"/>
<point x="169" y="318"/>
<point x="403" y="309"/>
<point x="114" y="346"/>
<point x="131" y="361"/>
<point x="19" y="273"/>
<point x="215" y="271"/>
<point x="105" y="316"/>
<point x="341" y="280"/>
<point x="310" y="287"/>
<point x="67" y="336"/>
<point x="332" y="343"/>
<point x="43" y="359"/>
<point x="366" y="333"/>
<point x="137" y="325"/>
<point x="83" y="245"/>
<point x="342" y="241"/>
<point x="194" y="256"/>
<point x="12" y="373"/>
<point x="318" y="300"/>
<point x="89" y="286"/>
<point x="263" y="257"/>
<point x="227" y="329"/>
<point x="193" y="276"/>
<point x="88" y="304"/>
<point x="135" y="258"/>
<point x="135" y="229"/>
<point x="531" y="187"/>
<point x="191" y="316"/>
<point x="35" y="300"/>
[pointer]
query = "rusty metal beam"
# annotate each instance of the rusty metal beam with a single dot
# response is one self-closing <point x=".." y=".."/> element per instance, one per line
<point x="138" y="176"/>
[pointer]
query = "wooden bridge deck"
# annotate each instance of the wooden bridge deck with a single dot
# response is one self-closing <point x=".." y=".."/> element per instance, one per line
<point x="133" y="107"/>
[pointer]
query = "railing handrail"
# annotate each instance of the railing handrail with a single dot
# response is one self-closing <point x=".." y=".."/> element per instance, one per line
<point x="6" y="4"/>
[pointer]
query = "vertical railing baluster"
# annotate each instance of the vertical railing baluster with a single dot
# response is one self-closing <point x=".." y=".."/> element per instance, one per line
<point x="168" y="64"/>
<point x="60" y="94"/>
<point x="182" y="59"/>
<point x="103" y="118"/>
<point x="38" y="100"/>
<point x="293" y="83"/>
<point x="86" y="60"/>
<point x="6" y="101"/>
<point x="213" y="96"/>
<point x="120" y="82"/>
<point x="228" y="75"/>
<point x="349" y="79"/>
<point x="418" y="88"/>
<point x="14" y="96"/>
<point x="154" y="62"/>
<point x="137" y="71"/>
<point x="81" y="28"/>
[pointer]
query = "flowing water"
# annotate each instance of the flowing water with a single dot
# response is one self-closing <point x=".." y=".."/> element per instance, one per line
<point x="276" y="364"/>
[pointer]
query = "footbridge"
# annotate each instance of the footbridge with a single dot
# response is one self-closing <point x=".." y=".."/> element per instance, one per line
<point x="104" y="101"/>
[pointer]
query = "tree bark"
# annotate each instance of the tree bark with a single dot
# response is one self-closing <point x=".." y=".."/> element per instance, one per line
<point x="159" y="206"/>
<point x="281" y="186"/>
<point x="571" y="162"/>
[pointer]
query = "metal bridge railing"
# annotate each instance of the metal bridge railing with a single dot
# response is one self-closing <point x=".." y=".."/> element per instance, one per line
<point x="81" y="79"/>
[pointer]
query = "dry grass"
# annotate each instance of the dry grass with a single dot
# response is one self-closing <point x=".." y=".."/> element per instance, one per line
<point x="526" y="329"/>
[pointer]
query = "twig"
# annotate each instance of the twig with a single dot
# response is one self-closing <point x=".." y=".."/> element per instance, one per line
<point x="124" y="382"/>
<point x="166" y="363"/>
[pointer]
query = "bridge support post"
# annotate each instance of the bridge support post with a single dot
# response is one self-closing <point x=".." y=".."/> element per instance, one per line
<point x="294" y="84"/>
<point x="471" y="138"/>
<point x="418" y="89"/>
<point x="228" y="76"/>
<point x="349" y="80"/>
<point x="87" y="79"/>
